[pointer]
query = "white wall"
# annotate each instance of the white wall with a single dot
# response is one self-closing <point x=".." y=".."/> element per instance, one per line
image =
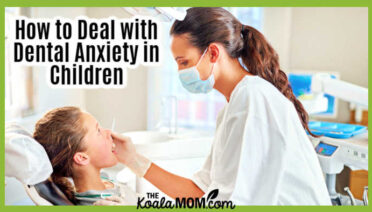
<point x="276" y="27"/>
<point x="330" y="39"/>
<point x="127" y="105"/>
<point x="46" y="97"/>
<point x="322" y="39"/>
<point x="305" y="38"/>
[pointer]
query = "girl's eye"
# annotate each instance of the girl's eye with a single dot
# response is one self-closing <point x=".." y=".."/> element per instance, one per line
<point x="99" y="130"/>
<point x="184" y="63"/>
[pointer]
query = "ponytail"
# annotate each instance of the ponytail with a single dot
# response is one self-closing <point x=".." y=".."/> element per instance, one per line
<point x="61" y="132"/>
<point x="66" y="187"/>
<point x="262" y="60"/>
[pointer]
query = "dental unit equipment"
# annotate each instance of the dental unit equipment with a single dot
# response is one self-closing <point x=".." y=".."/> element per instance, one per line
<point x="342" y="144"/>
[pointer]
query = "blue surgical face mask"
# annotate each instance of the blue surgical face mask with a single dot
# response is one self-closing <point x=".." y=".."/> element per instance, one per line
<point x="191" y="81"/>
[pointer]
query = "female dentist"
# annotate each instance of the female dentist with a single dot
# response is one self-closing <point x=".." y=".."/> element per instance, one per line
<point x="261" y="154"/>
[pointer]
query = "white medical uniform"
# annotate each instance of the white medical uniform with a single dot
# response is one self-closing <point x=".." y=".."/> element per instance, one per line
<point x="261" y="155"/>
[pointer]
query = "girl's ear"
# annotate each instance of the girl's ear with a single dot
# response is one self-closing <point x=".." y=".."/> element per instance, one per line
<point x="214" y="52"/>
<point x="81" y="158"/>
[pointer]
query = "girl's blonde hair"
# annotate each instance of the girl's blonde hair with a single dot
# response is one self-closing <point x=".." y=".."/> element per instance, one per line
<point x="61" y="132"/>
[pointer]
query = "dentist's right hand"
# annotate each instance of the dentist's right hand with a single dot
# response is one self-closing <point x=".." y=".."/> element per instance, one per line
<point x="126" y="153"/>
<point x="171" y="184"/>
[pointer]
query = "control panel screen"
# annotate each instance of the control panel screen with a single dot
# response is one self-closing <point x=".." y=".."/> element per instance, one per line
<point x="325" y="149"/>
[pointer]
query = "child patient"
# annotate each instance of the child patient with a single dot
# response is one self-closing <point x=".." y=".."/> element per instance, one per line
<point x="78" y="148"/>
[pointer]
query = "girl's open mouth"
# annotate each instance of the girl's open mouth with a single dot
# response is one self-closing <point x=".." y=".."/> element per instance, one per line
<point x="113" y="147"/>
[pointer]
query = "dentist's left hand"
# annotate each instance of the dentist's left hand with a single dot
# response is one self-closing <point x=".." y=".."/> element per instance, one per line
<point x="126" y="153"/>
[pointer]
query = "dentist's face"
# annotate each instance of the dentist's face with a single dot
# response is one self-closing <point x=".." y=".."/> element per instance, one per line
<point x="98" y="143"/>
<point x="187" y="56"/>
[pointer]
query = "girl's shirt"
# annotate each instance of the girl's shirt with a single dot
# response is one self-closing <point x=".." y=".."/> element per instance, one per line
<point x="114" y="189"/>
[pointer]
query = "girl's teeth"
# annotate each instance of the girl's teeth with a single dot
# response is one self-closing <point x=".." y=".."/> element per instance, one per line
<point x="113" y="146"/>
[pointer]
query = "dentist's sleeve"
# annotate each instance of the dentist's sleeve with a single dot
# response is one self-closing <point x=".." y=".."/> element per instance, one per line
<point x="202" y="177"/>
<point x="221" y="165"/>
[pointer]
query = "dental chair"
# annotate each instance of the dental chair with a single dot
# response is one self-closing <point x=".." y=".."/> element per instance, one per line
<point x="46" y="193"/>
<point x="27" y="161"/>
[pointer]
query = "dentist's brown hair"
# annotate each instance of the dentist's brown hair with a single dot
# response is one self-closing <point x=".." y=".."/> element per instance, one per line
<point x="205" y="25"/>
<point x="61" y="132"/>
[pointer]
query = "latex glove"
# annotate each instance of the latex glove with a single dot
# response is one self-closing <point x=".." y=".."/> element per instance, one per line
<point x="126" y="153"/>
<point x="113" y="200"/>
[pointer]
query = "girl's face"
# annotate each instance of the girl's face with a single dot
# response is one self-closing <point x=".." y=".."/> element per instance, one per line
<point x="187" y="56"/>
<point x="98" y="143"/>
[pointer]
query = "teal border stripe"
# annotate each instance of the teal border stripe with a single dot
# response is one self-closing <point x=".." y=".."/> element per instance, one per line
<point x="161" y="3"/>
